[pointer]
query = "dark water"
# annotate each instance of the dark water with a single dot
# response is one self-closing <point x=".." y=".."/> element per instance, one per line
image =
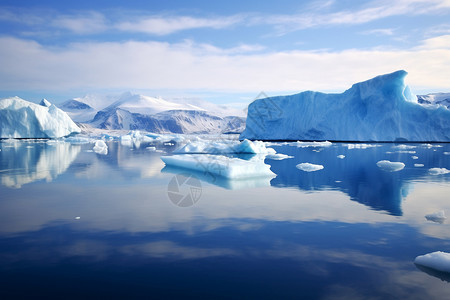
<point x="76" y="224"/>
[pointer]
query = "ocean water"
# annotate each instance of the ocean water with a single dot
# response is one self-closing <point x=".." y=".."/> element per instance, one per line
<point x="77" y="224"/>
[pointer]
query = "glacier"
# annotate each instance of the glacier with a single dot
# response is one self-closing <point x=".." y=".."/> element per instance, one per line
<point x="382" y="109"/>
<point x="23" y="119"/>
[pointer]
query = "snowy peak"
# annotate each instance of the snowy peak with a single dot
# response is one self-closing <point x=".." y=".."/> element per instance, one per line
<point x="44" y="102"/>
<point x="148" y="105"/>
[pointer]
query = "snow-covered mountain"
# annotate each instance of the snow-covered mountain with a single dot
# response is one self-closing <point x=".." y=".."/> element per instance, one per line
<point x="435" y="99"/>
<point x="138" y="112"/>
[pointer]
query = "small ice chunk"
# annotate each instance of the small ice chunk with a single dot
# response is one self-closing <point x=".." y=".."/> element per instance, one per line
<point x="390" y="166"/>
<point x="341" y="156"/>
<point x="436" y="260"/>
<point x="438" y="171"/>
<point x="153" y="149"/>
<point x="100" y="147"/>
<point x="361" y="146"/>
<point x="228" y="167"/>
<point x="438" y="217"/>
<point x="446" y="153"/>
<point x="419" y="165"/>
<point x="278" y="156"/>
<point x="77" y="218"/>
<point x="308" y="167"/>
<point x="414" y="157"/>
<point x="404" y="147"/>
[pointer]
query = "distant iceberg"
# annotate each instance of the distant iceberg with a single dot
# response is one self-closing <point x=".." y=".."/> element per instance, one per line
<point x="22" y="119"/>
<point x="382" y="109"/>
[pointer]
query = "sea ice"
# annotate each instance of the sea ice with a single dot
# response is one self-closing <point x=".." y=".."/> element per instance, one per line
<point x="438" y="171"/>
<point x="379" y="109"/>
<point x="228" y="167"/>
<point x="308" y="167"/>
<point x="390" y="166"/>
<point x="100" y="147"/>
<point x="341" y="156"/>
<point x="436" y="260"/>
<point x="22" y="119"/>
<point x="419" y="165"/>
<point x="311" y="144"/>
<point x="438" y="217"/>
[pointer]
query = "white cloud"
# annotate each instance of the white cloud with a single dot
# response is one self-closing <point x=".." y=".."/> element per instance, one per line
<point x="27" y="65"/>
<point x="160" y="25"/>
<point x="90" y="22"/>
<point x="371" y="12"/>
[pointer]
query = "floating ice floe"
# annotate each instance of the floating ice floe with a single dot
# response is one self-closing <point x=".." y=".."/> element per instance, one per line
<point x="360" y="146"/>
<point x="341" y="156"/>
<point x="310" y="144"/>
<point x="419" y="165"/>
<point x="308" y="167"/>
<point x="438" y="217"/>
<point x="152" y="149"/>
<point x="22" y="119"/>
<point x="390" y="166"/>
<point x="225" y="147"/>
<point x="438" y="171"/>
<point x="228" y="167"/>
<point x="100" y="147"/>
<point x="404" y="147"/>
<point x="414" y="157"/>
<point x="446" y="153"/>
<point x="278" y="156"/>
<point x="436" y="260"/>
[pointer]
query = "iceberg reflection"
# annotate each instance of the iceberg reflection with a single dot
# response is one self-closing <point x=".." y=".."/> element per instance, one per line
<point x="357" y="174"/>
<point x="26" y="162"/>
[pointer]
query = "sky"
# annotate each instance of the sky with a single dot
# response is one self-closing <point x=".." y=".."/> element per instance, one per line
<point x="221" y="51"/>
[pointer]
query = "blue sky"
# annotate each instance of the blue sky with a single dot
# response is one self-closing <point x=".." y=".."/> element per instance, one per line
<point x="225" y="52"/>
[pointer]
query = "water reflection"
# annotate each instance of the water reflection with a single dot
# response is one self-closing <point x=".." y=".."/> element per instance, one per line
<point x="26" y="162"/>
<point x="357" y="174"/>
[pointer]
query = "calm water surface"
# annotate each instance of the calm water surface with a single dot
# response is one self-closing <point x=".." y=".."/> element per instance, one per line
<point x="76" y="224"/>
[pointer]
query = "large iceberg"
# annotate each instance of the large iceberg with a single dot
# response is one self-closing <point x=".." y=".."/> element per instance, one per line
<point x="382" y="109"/>
<point x="23" y="119"/>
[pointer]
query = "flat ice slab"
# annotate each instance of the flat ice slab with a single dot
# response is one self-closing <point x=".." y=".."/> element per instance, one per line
<point x="436" y="260"/>
<point x="308" y="167"/>
<point x="228" y="167"/>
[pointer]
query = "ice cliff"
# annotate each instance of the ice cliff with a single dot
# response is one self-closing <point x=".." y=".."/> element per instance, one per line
<point x="381" y="109"/>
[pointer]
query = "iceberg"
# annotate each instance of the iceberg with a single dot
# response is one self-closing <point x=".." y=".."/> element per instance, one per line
<point x="100" y="147"/>
<point x="220" y="165"/>
<point x="438" y="171"/>
<point x="437" y="217"/>
<point x="382" y="109"/>
<point x="22" y="119"/>
<point x="436" y="260"/>
<point x="225" y="147"/>
<point x="390" y="166"/>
